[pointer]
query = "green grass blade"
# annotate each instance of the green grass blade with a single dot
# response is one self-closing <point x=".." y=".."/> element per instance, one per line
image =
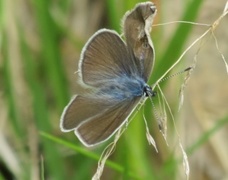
<point x="51" y="53"/>
<point x="41" y="117"/>
<point x="205" y="136"/>
<point x="9" y="90"/>
<point x="86" y="153"/>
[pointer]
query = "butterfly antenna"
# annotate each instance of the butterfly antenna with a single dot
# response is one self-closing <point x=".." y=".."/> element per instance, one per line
<point x="178" y="73"/>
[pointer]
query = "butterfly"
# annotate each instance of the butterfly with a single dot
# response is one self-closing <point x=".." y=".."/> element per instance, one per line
<point x="114" y="73"/>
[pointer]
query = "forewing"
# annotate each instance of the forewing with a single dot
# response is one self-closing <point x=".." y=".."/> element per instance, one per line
<point x="137" y="26"/>
<point x="104" y="58"/>
<point x="81" y="109"/>
<point x="101" y="127"/>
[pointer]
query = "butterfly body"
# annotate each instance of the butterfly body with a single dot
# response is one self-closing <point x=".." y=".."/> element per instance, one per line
<point x="124" y="88"/>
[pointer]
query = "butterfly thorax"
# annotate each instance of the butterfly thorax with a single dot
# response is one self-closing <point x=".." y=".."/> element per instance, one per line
<point x="124" y="88"/>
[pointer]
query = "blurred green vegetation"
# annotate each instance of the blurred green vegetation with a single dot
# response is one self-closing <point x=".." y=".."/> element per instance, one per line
<point x="35" y="87"/>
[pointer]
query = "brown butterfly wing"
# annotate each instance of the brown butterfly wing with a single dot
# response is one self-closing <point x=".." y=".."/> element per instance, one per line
<point x="103" y="126"/>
